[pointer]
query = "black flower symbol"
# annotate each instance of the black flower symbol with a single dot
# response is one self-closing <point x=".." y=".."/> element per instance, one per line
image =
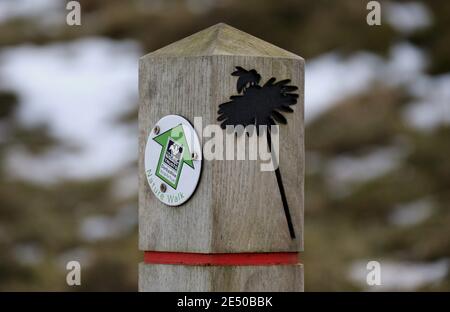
<point x="260" y="106"/>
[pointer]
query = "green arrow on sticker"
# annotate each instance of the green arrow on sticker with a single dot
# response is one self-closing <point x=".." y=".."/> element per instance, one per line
<point x="174" y="153"/>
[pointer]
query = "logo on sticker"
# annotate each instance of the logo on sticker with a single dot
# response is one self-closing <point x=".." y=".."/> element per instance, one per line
<point x="174" y="154"/>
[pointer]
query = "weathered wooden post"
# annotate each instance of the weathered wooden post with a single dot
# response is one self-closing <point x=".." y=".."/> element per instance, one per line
<point x="242" y="228"/>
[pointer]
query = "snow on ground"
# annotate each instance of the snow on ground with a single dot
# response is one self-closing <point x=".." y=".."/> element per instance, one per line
<point x="403" y="276"/>
<point x="343" y="172"/>
<point x="432" y="108"/>
<point x="330" y="78"/>
<point x="78" y="89"/>
<point x="47" y="9"/>
<point x="411" y="213"/>
<point x="407" y="17"/>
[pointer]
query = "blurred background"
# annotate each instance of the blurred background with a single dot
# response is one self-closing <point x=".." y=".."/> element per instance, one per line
<point x="377" y="136"/>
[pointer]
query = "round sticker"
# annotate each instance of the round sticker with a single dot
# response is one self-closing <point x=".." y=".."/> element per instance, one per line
<point x="173" y="160"/>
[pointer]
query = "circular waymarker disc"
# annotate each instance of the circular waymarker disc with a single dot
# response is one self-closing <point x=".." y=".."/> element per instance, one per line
<point x="173" y="160"/>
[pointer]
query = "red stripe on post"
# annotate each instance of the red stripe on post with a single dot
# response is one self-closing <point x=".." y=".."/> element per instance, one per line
<point x="221" y="259"/>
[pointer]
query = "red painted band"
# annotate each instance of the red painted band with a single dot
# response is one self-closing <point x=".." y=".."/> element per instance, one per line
<point x="221" y="259"/>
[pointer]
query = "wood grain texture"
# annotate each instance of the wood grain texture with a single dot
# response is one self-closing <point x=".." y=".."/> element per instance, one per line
<point x="236" y="207"/>
<point x="220" y="279"/>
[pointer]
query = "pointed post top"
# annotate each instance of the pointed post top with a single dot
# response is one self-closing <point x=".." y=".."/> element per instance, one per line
<point x="222" y="39"/>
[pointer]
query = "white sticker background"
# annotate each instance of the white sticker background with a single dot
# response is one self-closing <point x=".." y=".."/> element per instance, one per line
<point x="188" y="177"/>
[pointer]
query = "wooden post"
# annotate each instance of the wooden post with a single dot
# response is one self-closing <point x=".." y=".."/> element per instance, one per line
<point x="232" y="234"/>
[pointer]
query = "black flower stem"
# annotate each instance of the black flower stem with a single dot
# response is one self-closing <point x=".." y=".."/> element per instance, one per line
<point x="281" y="188"/>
